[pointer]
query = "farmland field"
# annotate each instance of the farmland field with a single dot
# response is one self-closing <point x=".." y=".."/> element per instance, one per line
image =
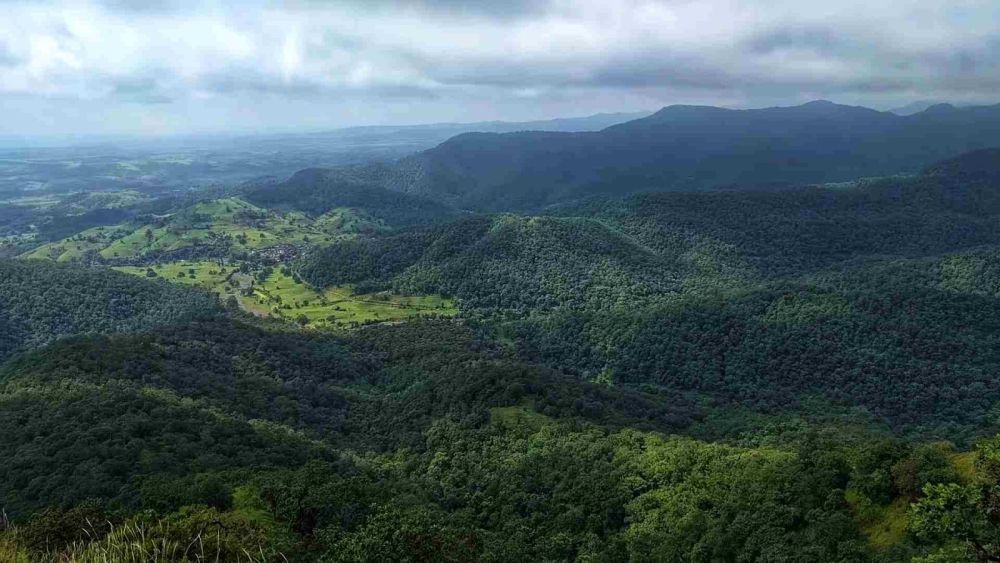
<point x="275" y="292"/>
<point x="226" y="226"/>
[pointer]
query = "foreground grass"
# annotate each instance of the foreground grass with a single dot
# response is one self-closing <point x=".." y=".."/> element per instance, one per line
<point x="197" y="535"/>
<point x="888" y="526"/>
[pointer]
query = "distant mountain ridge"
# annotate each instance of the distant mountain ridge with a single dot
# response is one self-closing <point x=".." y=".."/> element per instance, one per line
<point x="606" y="252"/>
<point x="684" y="148"/>
<point x="981" y="165"/>
<point x="593" y="122"/>
<point x="914" y="107"/>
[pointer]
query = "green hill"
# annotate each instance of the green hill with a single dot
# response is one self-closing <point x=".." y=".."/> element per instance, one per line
<point x="503" y="262"/>
<point x="629" y="252"/>
<point x="41" y="302"/>
<point x="684" y="148"/>
<point x="767" y="374"/>
<point x="317" y="191"/>
<point x="878" y="295"/>
<point x="217" y="228"/>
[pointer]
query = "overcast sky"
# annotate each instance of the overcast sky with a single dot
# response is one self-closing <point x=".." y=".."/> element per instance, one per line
<point x="172" y="67"/>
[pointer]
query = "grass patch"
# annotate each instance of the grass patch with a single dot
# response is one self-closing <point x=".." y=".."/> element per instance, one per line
<point x="340" y="306"/>
<point x="206" y="274"/>
<point x="884" y="526"/>
<point x="274" y="292"/>
<point x="965" y="465"/>
<point x="520" y="417"/>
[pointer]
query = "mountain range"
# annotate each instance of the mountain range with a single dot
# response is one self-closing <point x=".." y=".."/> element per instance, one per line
<point x="701" y="335"/>
<point x="680" y="148"/>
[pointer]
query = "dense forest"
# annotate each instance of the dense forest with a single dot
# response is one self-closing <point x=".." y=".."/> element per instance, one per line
<point x="424" y="441"/>
<point x="42" y="302"/>
<point x="317" y="191"/>
<point x="880" y="295"/>
<point x="771" y="373"/>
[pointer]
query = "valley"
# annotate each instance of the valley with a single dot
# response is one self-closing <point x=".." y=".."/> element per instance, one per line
<point x="468" y="281"/>
<point x="341" y="365"/>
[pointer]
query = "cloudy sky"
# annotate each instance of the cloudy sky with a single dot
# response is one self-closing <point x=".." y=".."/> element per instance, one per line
<point x="157" y="67"/>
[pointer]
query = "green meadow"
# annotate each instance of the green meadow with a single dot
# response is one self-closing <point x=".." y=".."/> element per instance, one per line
<point x="340" y="306"/>
<point x="76" y="247"/>
<point x="229" y="221"/>
<point x="274" y="292"/>
<point x="229" y="224"/>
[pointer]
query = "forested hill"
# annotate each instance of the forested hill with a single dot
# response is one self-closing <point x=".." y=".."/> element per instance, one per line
<point x="970" y="168"/>
<point x="879" y="294"/>
<point x="784" y="374"/>
<point x="685" y="148"/>
<point x="41" y="302"/>
<point x="506" y="262"/>
<point x="316" y="191"/>
<point x="790" y="231"/>
<point x="618" y="252"/>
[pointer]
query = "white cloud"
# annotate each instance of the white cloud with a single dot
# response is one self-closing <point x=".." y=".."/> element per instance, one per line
<point x="371" y="60"/>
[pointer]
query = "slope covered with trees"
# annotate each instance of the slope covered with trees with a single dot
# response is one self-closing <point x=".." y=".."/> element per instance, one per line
<point x="317" y="191"/>
<point x="912" y="342"/>
<point x="662" y="245"/>
<point x="684" y="148"/>
<point x="41" y="302"/>
<point x="503" y="262"/>
<point x="420" y="441"/>
<point x="781" y="374"/>
<point x="878" y="295"/>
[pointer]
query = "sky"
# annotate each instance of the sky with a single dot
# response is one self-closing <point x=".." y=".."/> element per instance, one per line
<point x="164" y="67"/>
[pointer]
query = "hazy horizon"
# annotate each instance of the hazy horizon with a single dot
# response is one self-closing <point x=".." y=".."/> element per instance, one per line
<point x="177" y="67"/>
<point x="70" y="140"/>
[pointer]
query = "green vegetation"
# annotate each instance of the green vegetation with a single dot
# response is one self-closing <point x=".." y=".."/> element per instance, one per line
<point x="80" y="246"/>
<point x="227" y="222"/>
<point x="288" y="297"/>
<point x="275" y="291"/>
<point x="772" y="375"/>
<point x="226" y="227"/>
<point x="42" y="302"/>
<point x="407" y="441"/>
